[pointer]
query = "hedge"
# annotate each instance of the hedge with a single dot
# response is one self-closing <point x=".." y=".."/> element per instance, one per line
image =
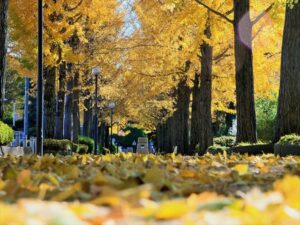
<point x="225" y="141"/>
<point x="87" y="141"/>
<point x="57" y="145"/>
<point x="80" y="148"/>
<point x="291" y="139"/>
<point x="6" y="134"/>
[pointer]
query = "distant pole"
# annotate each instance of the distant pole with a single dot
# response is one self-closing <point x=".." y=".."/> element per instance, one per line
<point x="111" y="129"/>
<point x="96" y="72"/>
<point x="112" y="105"/>
<point x="96" y="116"/>
<point x="26" y="101"/>
<point x="40" y="82"/>
<point x="14" y="113"/>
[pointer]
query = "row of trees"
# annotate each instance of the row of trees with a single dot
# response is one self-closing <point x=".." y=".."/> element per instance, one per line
<point x="165" y="63"/>
<point x="244" y="32"/>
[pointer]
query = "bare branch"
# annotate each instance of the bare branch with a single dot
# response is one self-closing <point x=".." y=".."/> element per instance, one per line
<point x="215" y="11"/>
<point x="260" y="16"/>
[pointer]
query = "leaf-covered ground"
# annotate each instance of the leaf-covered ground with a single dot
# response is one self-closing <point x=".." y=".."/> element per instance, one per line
<point x="147" y="189"/>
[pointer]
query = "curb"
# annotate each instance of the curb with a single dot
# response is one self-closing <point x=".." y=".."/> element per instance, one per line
<point x="286" y="149"/>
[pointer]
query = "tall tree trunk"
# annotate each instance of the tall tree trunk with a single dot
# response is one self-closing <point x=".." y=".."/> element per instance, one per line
<point x="3" y="50"/>
<point x="102" y="134"/>
<point x="88" y="118"/>
<point x="180" y="124"/>
<point x="195" y="126"/>
<point x="201" y="126"/>
<point x="60" y="105"/>
<point x="107" y="135"/>
<point x="246" y="118"/>
<point x="164" y="138"/>
<point x="68" y="121"/>
<point x="205" y="94"/>
<point x="288" y="116"/>
<point x="169" y="136"/>
<point x="76" y="108"/>
<point x="159" y="136"/>
<point x="88" y="112"/>
<point x="50" y="78"/>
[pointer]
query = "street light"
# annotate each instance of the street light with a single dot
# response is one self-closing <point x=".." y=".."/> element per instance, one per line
<point x="96" y="72"/>
<point x="40" y="82"/>
<point x="111" y="106"/>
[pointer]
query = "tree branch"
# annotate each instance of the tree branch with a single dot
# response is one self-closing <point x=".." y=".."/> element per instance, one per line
<point x="260" y="16"/>
<point x="215" y="11"/>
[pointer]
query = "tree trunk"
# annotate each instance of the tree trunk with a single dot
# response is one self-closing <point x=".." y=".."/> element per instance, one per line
<point x="201" y="130"/>
<point x="107" y="135"/>
<point x="50" y="78"/>
<point x="88" y="115"/>
<point x="288" y="116"/>
<point x="60" y="108"/>
<point x="246" y="118"/>
<point x="88" y="118"/>
<point x="3" y="50"/>
<point x="76" y="108"/>
<point x="205" y="94"/>
<point x="159" y="137"/>
<point x="169" y="136"/>
<point x="180" y="124"/>
<point x="195" y="126"/>
<point x="102" y="134"/>
<point x="68" y="121"/>
<point x="164" y="138"/>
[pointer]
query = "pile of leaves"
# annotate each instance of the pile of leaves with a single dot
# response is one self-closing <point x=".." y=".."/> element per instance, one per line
<point x="147" y="189"/>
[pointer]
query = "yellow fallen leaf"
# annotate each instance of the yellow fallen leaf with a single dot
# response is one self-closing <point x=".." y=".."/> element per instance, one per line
<point x="155" y="176"/>
<point x="24" y="178"/>
<point x="2" y="184"/>
<point x="188" y="174"/>
<point x="290" y="188"/>
<point x="107" y="201"/>
<point x="242" y="169"/>
<point x="171" y="210"/>
<point x="67" y="193"/>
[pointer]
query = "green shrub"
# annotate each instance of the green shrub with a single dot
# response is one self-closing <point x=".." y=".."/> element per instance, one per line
<point x="248" y="143"/>
<point x="217" y="149"/>
<point x="226" y="141"/>
<point x="266" y="110"/>
<point x="57" y="145"/>
<point x="6" y="134"/>
<point x="291" y="139"/>
<point x="87" y="141"/>
<point x="81" y="148"/>
<point x="114" y="149"/>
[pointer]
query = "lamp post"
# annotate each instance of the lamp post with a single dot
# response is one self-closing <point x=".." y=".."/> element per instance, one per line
<point x="111" y="106"/>
<point x="40" y="83"/>
<point x="96" y="72"/>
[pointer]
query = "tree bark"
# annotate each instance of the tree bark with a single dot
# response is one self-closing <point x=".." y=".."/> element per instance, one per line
<point x="76" y="108"/>
<point x="180" y="122"/>
<point x="88" y="118"/>
<point x="68" y="121"/>
<point x="169" y="136"/>
<point x="195" y="126"/>
<point x="205" y="94"/>
<point x="164" y="138"/>
<point x="50" y="78"/>
<point x="88" y="112"/>
<point x="60" y="108"/>
<point x="102" y="134"/>
<point x="201" y="127"/>
<point x="288" y="116"/>
<point x="3" y="51"/>
<point x="246" y="117"/>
